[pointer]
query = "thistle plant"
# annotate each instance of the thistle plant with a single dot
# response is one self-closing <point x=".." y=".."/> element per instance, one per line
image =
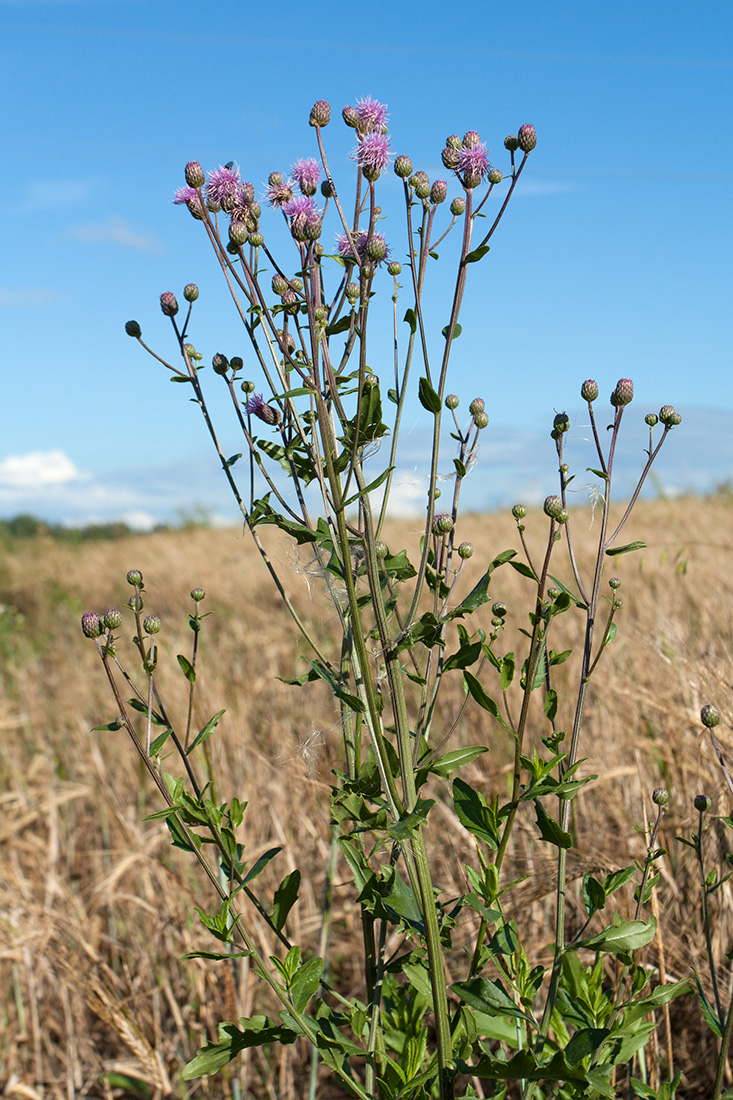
<point x="459" y="1008"/>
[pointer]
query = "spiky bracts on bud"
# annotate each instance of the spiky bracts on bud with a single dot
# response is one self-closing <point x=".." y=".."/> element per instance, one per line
<point x="526" y="138"/>
<point x="420" y="182"/>
<point x="458" y="207"/>
<point x="450" y="158"/>
<point x="151" y="624"/>
<point x="376" y="243"/>
<point x="350" y="115"/>
<point x="168" y="303"/>
<point x="453" y="142"/>
<point x="452" y="401"/>
<point x="553" y="507"/>
<point x="132" y="328"/>
<point x="135" y="578"/>
<point x="402" y="166"/>
<point x="394" y="268"/>
<point x="190" y="292"/>
<point x="371" y="115"/>
<point x="702" y="803"/>
<point x="477" y="406"/>
<point x="320" y="113"/>
<point x="614" y="583"/>
<point x="669" y="417"/>
<point x="494" y="176"/>
<point x="519" y="511"/>
<point x="561" y="423"/>
<point x="111" y="619"/>
<point x="439" y="191"/>
<point x="220" y="363"/>
<point x="197" y="594"/>
<point x="381" y="550"/>
<point x="710" y="716"/>
<point x="589" y="390"/>
<point x="481" y="420"/>
<point x="238" y="233"/>
<point x="307" y="175"/>
<point x="442" y="524"/>
<point x="651" y="419"/>
<point x="623" y="394"/>
<point x="194" y="174"/>
<point x="352" y="292"/>
<point x="511" y="143"/>
<point x="499" y="609"/>
<point x="258" y="407"/>
<point x="660" y="796"/>
<point x="90" y="625"/>
<point x="465" y="551"/>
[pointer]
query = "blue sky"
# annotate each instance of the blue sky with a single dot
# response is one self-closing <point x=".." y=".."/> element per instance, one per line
<point x="613" y="260"/>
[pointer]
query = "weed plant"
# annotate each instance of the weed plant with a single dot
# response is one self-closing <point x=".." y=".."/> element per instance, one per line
<point x="453" y="999"/>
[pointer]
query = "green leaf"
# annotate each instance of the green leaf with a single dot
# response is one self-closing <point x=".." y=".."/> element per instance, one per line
<point x="457" y="330"/>
<point x="480" y="593"/>
<point x="343" y="325"/>
<point x="460" y="467"/>
<point x="233" y="459"/>
<point x="506" y="674"/>
<point x="392" y="395"/>
<point x="370" y="487"/>
<point x="448" y="763"/>
<point x="187" y="668"/>
<point x="305" y="983"/>
<point x="578" y="603"/>
<point x="404" y="828"/>
<point x="111" y="727"/>
<point x="480" y="695"/>
<point x="622" y="937"/>
<point x="400" y="566"/>
<point x="285" y="898"/>
<point x="411" y="319"/>
<point x="489" y="997"/>
<point x="254" y="1031"/>
<point x="466" y="655"/>
<point x="475" y="814"/>
<point x="610" y="634"/>
<point x="142" y="708"/>
<point x="428" y="397"/>
<point x="709" y="1014"/>
<point x="477" y="254"/>
<point x="222" y="956"/>
<point x="160" y="740"/>
<point x="205" y="733"/>
<point x="549" y="828"/>
<point x="586" y="1041"/>
<point x="614" y="551"/>
<point x="260" y="864"/>
<point x="523" y="569"/>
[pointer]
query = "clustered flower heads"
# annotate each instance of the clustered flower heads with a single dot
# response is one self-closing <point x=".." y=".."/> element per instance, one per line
<point x="366" y="248"/>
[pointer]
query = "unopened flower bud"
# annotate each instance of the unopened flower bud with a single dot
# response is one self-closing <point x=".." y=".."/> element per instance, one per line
<point x="194" y="174"/>
<point x="614" y="583"/>
<point x="247" y="387"/>
<point x="561" y="423"/>
<point x="450" y="158"/>
<point x="376" y="248"/>
<point x="168" y="304"/>
<point x="151" y="624"/>
<point x="651" y="419"/>
<point x="519" y="511"/>
<point x="220" y="363"/>
<point x="381" y="550"/>
<point x="553" y="593"/>
<point x="553" y="507"/>
<point x="494" y="176"/>
<point x="132" y="328"/>
<point x="589" y="390"/>
<point x="135" y="578"/>
<point x="320" y="113"/>
<point x="439" y="191"/>
<point x="481" y="420"/>
<point x="465" y="550"/>
<point x="290" y="301"/>
<point x="352" y="292"/>
<point x="394" y="268"/>
<point x="623" y="394"/>
<point x="710" y="716"/>
<point x="403" y="166"/>
<point x="660" y="796"/>
<point x="499" y="609"/>
<point x="197" y="594"/>
<point x="477" y="406"/>
<point x="452" y="401"/>
<point x="236" y="362"/>
<point x="458" y="207"/>
<point x="702" y="803"/>
<point x="442" y="524"/>
<point x="511" y="143"/>
<point x="668" y="415"/>
<point x="470" y="139"/>
<point x="350" y="116"/>
<point x="256" y="240"/>
<point x="90" y="625"/>
<point x="238" y="233"/>
<point x="112" y="619"/>
<point x="526" y="138"/>
<point x="326" y="189"/>
<point x="453" y="141"/>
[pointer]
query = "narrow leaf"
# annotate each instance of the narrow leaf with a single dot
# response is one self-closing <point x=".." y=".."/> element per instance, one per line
<point x="614" y="551"/>
<point x="428" y="397"/>
<point x="205" y="733"/>
<point x="187" y="668"/>
<point x="477" y="254"/>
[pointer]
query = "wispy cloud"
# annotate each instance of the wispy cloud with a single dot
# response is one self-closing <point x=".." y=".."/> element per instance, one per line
<point x="50" y="194"/>
<point x="115" y="230"/>
<point x="37" y="471"/>
<point x="34" y="296"/>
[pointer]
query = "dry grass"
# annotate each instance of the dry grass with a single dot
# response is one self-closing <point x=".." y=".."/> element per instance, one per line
<point x="96" y="908"/>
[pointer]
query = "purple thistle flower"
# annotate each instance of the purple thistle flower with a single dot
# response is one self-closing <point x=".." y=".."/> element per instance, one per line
<point x="372" y="152"/>
<point x="279" y="192"/>
<point x="223" y="186"/>
<point x="257" y="406"/>
<point x="307" y="175"/>
<point x="305" y="217"/>
<point x="185" y="195"/>
<point x="376" y="242"/>
<point x="243" y="199"/>
<point x="473" y="164"/>
<point x="372" y="115"/>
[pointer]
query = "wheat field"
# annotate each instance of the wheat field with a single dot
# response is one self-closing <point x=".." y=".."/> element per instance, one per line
<point x="97" y="908"/>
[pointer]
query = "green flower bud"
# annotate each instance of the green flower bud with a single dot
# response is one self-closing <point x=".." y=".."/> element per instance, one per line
<point x="499" y="609"/>
<point x="394" y="268"/>
<point x="320" y="113"/>
<point x="669" y="417"/>
<point x="511" y="143"/>
<point x="495" y="176"/>
<point x="220" y="363"/>
<point x="352" y="292"/>
<point x="702" y="803"/>
<point x="442" y="524"/>
<point x="465" y="550"/>
<point x="90" y="625"/>
<point x="458" y="207"/>
<point x="452" y="401"/>
<point x="477" y="406"/>
<point x="623" y="394"/>
<point x="481" y="420"/>
<point x="132" y="328"/>
<point x="553" y="507"/>
<point x="112" y="619"/>
<point x="381" y="550"/>
<point x="589" y="390"/>
<point x="421" y="183"/>
<point x="151" y="625"/>
<point x="553" y="593"/>
<point x="526" y="138"/>
<point x="660" y="796"/>
<point x="710" y="716"/>
<point x="256" y="240"/>
<point x="168" y="304"/>
<point x="238" y="233"/>
<point x="190" y="292"/>
<point x="439" y="192"/>
<point x="451" y="158"/>
<point x="194" y="174"/>
<point x="197" y="594"/>
<point x="135" y="578"/>
<point x="376" y="248"/>
<point x="247" y="387"/>
<point x="561" y="423"/>
<point x="453" y="141"/>
<point x="403" y="166"/>
<point x="614" y="583"/>
<point x="519" y="511"/>
<point x="651" y="419"/>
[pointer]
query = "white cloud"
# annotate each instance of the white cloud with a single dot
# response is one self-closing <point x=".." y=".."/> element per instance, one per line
<point x="48" y="194"/>
<point x="27" y="296"/>
<point x="115" y="231"/>
<point x="37" y="471"/>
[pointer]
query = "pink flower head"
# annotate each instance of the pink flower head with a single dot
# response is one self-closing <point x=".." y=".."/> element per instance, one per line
<point x="305" y="218"/>
<point x="223" y="186"/>
<point x="243" y="198"/>
<point x="473" y="164"/>
<point x="185" y="195"/>
<point x="307" y="175"/>
<point x="368" y="249"/>
<point x="372" y="115"/>
<point x="257" y="406"/>
<point x="372" y="152"/>
<point x="279" y="193"/>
